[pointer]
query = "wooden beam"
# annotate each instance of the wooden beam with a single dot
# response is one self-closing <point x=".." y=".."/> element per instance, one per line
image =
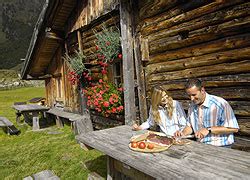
<point x="53" y="35"/>
<point x="140" y="80"/>
<point x="80" y="43"/>
<point x="128" y="61"/>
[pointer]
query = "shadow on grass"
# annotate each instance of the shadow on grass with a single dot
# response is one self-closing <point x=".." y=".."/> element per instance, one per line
<point x="98" y="165"/>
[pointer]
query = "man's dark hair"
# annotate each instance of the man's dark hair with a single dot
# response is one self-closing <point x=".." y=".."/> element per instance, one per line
<point x="194" y="82"/>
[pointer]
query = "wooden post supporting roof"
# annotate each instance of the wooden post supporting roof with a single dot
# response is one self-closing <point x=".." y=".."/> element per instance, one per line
<point x="140" y="80"/>
<point x="128" y="61"/>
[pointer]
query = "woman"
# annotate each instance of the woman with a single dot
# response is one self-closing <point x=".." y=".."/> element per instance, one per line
<point x="165" y="112"/>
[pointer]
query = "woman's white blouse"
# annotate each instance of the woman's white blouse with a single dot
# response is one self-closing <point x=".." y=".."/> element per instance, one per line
<point x="168" y="126"/>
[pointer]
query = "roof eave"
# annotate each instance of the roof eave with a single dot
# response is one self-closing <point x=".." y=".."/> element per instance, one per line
<point x="38" y="30"/>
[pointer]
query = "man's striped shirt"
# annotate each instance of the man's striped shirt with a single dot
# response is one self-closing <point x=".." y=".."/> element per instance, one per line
<point x="215" y="112"/>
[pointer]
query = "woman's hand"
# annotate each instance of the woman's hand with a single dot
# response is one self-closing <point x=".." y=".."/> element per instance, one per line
<point x="135" y="127"/>
<point x="186" y="131"/>
<point x="178" y="134"/>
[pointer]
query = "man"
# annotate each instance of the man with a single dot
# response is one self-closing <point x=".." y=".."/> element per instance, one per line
<point x="210" y="117"/>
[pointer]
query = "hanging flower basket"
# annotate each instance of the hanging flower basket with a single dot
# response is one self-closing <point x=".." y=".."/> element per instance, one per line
<point x="108" y="46"/>
<point x="77" y="68"/>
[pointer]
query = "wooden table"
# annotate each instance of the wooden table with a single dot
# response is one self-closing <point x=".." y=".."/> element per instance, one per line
<point x="32" y="110"/>
<point x="193" y="161"/>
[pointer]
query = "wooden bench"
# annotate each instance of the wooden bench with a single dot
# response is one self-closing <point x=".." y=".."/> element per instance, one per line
<point x="10" y="128"/>
<point x="79" y="123"/>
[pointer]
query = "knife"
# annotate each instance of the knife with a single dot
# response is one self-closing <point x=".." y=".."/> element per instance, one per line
<point x="186" y="137"/>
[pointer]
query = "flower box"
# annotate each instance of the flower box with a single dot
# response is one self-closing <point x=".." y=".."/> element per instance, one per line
<point x="101" y="122"/>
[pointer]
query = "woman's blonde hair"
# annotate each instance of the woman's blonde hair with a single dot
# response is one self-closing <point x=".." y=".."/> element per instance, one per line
<point x="156" y="99"/>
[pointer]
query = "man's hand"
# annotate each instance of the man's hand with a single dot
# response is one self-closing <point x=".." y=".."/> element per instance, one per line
<point x="201" y="133"/>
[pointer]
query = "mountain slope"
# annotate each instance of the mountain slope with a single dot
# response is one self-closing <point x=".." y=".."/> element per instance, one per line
<point x="17" y="21"/>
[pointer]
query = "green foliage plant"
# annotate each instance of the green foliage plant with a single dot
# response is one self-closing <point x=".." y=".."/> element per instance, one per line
<point x="77" y="67"/>
<point x="107" y="44"/>
<point x="76" y="62"/>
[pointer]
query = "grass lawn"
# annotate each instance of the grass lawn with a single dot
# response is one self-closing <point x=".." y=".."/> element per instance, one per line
<point x="32" y="152"/>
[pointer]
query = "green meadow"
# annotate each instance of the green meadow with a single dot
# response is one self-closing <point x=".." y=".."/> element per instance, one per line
<point x="32" y="152"/>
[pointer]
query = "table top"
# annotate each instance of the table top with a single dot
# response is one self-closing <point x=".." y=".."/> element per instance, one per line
<point x="30" y="107"/>
<point x="193" y="161"/>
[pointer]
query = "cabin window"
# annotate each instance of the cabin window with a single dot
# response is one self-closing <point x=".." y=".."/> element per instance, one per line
<point x="115" y="73"/>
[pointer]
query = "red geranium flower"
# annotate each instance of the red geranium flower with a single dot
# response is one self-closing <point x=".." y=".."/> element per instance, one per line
<point x="105" y="98"/>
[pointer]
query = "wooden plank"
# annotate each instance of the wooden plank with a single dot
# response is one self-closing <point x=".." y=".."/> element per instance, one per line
<point x="30" y="107"/>
<point x="63" y="114"/>
<point x="212" y="162"/>
<point x="228" y="68"/>
<point x="210" y="81"/>
<point x="233" y="93"/>
<point x="5" y="122"/>
<point x="2" y="124"/>
<point x="173" y="12"/>
<point x="202" y="16"/>
<point x="204" y="60"/>
<point x="242" y="143"/>
<point x="183" y="37"/>
<point x="152" y="8"/>
<point x="128" y="61"/>
<point x="244" y="127"/>
<point x="227" y="43"/>
<point x="83" y="125"/>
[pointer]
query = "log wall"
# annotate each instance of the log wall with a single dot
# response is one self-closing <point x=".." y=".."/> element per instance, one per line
<point x="89" y="11"/>
<point x="206" y="39"/>
<point x="55" y="70"/>
<point x="58" y="88"/>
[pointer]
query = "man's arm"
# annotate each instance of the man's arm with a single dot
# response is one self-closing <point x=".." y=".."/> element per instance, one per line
<point x="223" y="130"/>
<point x="214" y="130"/>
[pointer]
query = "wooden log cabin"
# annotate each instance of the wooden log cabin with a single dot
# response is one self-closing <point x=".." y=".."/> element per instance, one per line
<point x="163" y="43"/>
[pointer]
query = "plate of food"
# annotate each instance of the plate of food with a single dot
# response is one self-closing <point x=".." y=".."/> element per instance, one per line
<point x="144" y="146"/>
<point x="150" y="142"/>
<point x="155" y="142"/>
